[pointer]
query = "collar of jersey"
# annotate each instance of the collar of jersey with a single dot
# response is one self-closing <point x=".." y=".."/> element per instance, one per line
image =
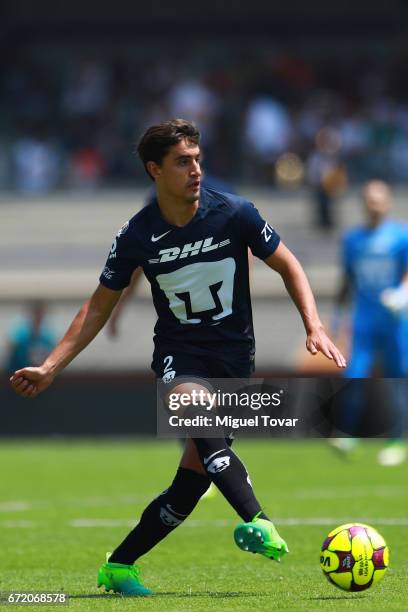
<point x="199" y="214"/>
<point x="385" y="223"/>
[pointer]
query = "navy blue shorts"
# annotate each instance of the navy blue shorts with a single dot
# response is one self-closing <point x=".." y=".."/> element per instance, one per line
<point x="169" y="364"/>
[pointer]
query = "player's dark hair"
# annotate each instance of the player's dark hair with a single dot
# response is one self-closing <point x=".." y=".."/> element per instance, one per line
<point x="157" y="140"/>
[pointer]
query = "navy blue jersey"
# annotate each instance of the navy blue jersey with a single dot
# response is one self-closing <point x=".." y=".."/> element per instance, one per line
<point x="198" y="273"/>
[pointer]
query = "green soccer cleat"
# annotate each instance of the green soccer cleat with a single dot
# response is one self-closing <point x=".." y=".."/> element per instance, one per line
<point x="123" y="579"/>
<point x="260" y="536"/>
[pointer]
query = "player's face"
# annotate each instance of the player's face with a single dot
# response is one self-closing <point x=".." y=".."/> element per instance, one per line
<point x="179" y="174"/>
<point x="376" y="196"/>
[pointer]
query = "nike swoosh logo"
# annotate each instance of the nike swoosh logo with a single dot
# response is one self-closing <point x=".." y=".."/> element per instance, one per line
<point x="156" y="238"/>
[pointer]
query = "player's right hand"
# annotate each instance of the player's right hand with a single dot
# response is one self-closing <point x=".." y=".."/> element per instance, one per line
<point x="29" y="382"/>
<point x="319" y="342"/>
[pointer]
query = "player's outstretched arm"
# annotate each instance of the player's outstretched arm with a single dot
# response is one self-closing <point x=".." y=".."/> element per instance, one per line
<point x="285" y="263"/>
<point x="90" y="319"/>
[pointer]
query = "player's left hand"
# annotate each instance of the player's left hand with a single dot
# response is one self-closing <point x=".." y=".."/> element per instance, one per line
<point x="318" y="341"/>
<point x="396" y="300"/>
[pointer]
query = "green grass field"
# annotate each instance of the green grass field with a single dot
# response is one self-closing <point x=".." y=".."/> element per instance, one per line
<point x="64" y="504"/>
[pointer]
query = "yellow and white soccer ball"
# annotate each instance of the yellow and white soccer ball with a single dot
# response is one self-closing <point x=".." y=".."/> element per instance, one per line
<point x="354" y="557"/>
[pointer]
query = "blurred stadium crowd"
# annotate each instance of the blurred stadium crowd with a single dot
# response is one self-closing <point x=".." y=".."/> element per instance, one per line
<point x="310" y="96"/>
<point x="72" y="120"/>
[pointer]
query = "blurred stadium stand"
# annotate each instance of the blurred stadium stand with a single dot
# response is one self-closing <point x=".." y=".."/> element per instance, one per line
<point x="79" y="82"/>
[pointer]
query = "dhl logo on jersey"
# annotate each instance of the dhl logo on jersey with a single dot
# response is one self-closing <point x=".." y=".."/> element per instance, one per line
<point x="188" y="250"/>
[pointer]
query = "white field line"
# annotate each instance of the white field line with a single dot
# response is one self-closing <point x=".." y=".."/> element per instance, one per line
<point x="17" y="524"/>
<point x="338" y="492"/>
<point x="15" y="506"/>
<point x="288" y="522"/>
<point x="105" y="500"/>
<point x="99" y="501"/>
<point x="227" y="523"/>
<point x="102" y="523"/>
<point x="84" y="502"/>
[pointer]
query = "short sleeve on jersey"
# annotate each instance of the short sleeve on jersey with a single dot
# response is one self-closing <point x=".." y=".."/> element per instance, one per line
<point x="119" y="266"/>
<point x="259" y="235"/>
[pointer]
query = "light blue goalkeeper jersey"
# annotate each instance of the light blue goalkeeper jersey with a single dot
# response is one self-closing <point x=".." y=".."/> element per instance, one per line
<point x="376" y="259"/>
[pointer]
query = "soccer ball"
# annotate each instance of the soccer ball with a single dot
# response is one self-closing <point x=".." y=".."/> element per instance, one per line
<point x="354" y="557"/>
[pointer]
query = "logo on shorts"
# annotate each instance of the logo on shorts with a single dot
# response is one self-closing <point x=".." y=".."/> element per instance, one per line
<point x="219" y="464"/>
<point x="169" y="376"/>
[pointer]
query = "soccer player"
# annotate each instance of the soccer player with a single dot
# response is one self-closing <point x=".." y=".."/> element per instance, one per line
<point x="208" y="182"/>
<point x="192" y="245"/>
<point x="375" y="264"/>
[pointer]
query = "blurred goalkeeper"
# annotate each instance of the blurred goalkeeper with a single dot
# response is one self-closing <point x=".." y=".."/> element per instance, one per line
<point x="375" y="264"/>
<point x="192" y="244"/>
